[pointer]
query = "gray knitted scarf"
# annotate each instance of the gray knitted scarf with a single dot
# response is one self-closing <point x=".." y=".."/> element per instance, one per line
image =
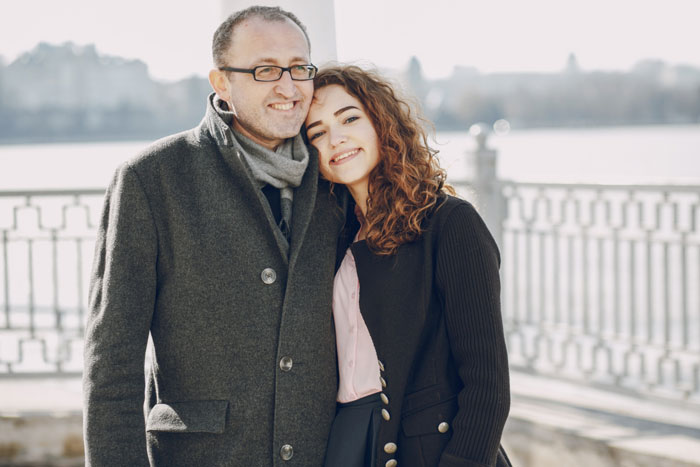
<point x="282" y="168"/>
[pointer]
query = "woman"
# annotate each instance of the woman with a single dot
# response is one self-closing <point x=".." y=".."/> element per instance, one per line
<point x="421" y="353"/>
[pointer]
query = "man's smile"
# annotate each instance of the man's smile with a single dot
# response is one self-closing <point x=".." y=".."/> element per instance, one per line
<point x="284" y="106"/>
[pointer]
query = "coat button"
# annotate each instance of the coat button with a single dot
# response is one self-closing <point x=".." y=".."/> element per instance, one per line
<point x="383" y="381"/>
<point x="286" y="452"/>
<point x="381" y="365"/>
<point x="443" y="427"/>
<point x="286" y="363"/>
<point x="391" y="463"/>
<point x="384" y="398"/>
<point x="390" y="448"/>
<point x="268" y="276"/>
<point x="385" y="414"/>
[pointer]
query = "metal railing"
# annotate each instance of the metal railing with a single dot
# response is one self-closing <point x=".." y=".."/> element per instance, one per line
<point x="601" y="283"/>
<point x="46" y="248"/>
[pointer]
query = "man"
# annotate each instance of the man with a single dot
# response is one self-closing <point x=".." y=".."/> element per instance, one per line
<point x="220" y="244"/>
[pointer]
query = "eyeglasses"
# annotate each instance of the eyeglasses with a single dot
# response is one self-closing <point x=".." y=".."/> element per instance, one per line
<point x="273" y="73"/>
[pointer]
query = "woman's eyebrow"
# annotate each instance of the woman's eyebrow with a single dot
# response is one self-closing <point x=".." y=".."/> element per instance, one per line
<point x="336" y="113"/>
<point x="311" y="125"/>
<point x="340" y="111"/>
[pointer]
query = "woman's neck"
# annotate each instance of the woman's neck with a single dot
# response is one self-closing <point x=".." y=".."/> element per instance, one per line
<point x="360" y="194"/>
<point x="362" y="232"/>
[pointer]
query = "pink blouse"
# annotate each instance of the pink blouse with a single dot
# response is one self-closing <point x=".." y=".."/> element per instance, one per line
<point x="357" y="358"/>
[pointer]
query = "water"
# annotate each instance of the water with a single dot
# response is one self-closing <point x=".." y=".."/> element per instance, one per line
<point x="652" y="154"/>
<point x="63" y="165"/>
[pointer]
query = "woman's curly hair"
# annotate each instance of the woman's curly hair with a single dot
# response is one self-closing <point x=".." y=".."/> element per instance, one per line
<point x="407" y="181"/>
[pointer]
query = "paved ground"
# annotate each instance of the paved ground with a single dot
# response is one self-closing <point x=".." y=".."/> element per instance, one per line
<point x="41" y="423"/>
<point x="552" y="423"/>
<point x="33" y="396"/>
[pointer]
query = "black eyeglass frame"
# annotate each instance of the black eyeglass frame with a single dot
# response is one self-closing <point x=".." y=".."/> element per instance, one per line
<point x="282" y="69"/>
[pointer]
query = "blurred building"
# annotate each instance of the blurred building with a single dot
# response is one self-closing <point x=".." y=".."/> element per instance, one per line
<point x="69" y="76"/>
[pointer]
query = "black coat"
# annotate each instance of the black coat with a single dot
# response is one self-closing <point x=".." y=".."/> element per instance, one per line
<point x="433" y="311"/>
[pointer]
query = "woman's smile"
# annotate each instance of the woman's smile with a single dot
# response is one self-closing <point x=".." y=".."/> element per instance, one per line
<point x="344" y="156"/>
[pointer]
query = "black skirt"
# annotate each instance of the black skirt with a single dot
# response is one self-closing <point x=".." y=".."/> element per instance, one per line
<point x="353" y="438"/>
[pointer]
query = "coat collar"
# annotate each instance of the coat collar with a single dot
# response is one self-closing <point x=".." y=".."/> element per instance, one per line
<point x="215" y="125"/>
<point x="304" y="195"/>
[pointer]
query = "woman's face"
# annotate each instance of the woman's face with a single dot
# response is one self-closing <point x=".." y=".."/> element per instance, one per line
<point x="348" y="146"/>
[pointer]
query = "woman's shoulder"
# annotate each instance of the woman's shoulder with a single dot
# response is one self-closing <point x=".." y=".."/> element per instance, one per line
<point x="458" y="221"/>
<point x="454" y="201"/>
<point x="451" y="208"/>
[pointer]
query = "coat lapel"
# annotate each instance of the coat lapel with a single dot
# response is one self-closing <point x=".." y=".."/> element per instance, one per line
<point x="304" y="204"/>
<point x="254" y="197"/>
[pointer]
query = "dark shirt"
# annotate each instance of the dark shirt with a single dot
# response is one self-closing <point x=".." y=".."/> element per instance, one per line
<point x="273" y="198"/>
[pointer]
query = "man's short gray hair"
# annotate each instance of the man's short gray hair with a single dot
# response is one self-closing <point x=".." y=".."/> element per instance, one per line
<point x="222" y="37"/>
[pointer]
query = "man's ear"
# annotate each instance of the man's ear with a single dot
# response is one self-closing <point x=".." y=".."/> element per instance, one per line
<point x="220" y="83"/>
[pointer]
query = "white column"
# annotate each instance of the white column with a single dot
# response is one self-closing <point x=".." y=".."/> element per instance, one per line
<point x="317" y="15"/>
<point x="489" y="198"/>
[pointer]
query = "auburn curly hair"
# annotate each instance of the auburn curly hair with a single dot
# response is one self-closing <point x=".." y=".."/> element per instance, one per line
<point x="408" y="179"/>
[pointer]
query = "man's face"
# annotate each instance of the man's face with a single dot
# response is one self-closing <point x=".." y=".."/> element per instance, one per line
<point x="268" y="112"/>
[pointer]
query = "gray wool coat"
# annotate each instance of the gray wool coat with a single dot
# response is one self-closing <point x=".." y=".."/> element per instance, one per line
<point x="243" y="366"/>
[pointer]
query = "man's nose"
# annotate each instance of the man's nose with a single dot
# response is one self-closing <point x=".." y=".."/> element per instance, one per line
<point x="285" y="85"/>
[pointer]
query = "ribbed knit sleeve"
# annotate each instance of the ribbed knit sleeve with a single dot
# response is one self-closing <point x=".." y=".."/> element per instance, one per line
<point x="467" y="279"/>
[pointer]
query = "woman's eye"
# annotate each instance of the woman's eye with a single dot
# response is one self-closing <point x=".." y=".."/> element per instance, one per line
<point x="314" y="136"/>
<point x="351" y="119"/>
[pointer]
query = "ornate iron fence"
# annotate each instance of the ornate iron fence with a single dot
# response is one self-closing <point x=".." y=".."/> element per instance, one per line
<point x="601" y="283"/>
<point x="46" y="248"/>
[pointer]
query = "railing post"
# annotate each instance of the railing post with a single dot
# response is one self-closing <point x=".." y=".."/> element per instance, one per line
<point x="482" y="161"/>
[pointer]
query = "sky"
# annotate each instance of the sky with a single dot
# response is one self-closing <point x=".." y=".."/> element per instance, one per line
<point x="174" y="38"/>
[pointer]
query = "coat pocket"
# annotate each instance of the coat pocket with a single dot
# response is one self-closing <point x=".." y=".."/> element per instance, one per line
<point x="425" y="432"/>
<point x="204" y="416"/>
<point x="427" y="420"/>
